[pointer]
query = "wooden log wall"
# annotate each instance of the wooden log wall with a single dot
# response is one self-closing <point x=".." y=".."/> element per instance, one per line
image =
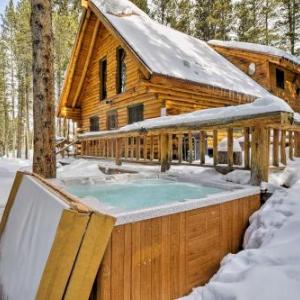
<point x="165" y="257"/>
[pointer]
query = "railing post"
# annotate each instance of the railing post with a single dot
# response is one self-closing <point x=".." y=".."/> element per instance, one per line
<point x="118" y="151"/>
<point x="259" y="155"/>
<point x="291" y="146"/>
<point x="282" y="147"/>
<point x="170" y="146"/>
<point x="138" y="148"/>
<point x="190" y="147"/>
<point x="297" y="143"/>
<point x="247" y="147"/>
<point x="275" y="147"/>
<point x="180" y="137"/>
<point x="215" y="146"/>
<point x="145" y="147"/>
<point x="202" y="147"/>
<point x="230" y="147"/>
<point x="164" y="153"/>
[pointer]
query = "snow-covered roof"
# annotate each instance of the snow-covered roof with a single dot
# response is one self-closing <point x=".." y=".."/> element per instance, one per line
<point x="168" y="52"/>
<point x="205" y="117"/>
<point x="269" y="50"/>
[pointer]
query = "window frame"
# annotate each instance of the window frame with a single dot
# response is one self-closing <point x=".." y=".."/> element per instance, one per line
<point x="129" y="110"/>
<point x="109" y="114"/>
<point x="280" y="78"/>
<point x="94" y="127"/>
<point x="102" y="79"/>
<point x="120" y="62"/>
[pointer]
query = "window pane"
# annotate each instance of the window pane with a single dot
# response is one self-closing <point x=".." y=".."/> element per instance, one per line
<point x="112" y="120"/>
<point x="94" y="124"/>
<point x="280" y="78"/>
<point x="121" y="71"/>
<point x="103" y="78"/>
<point x="135" y="113"/>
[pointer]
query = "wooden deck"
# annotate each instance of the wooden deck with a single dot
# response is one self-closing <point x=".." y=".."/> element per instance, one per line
<point x="165" y="257"/>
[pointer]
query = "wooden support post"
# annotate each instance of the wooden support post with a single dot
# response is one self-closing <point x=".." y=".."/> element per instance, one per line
<point x="118" y="151"/>
<point x="180" y="137"/>
<point x="259" y="155"/>
<point x="158" y="148"/>
<point x="145" y="147"/>
<point x="230" y="147"/>
<point x="170" y="146"/>
<point x="126" y="148"/>
<point x="151" y="147"/>
<point x="190" y="147"/>
<point x="247" y="147"/>
<point x="282" y="147"/>
<point x="202" y="147"/>
<point x="297" y="143"/>
<point x="132" y="140"/>
<point x="291" y="146"/>
<point x="275" y="147"/>
<point x="164" y="159"/>
<point x="138" y="148"/>
<point x="215" y="146"/>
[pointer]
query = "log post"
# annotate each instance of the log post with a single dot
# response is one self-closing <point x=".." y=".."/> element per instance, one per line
<point x="247" y="147"/>
<point x="282" y="147"/>
<point x="259" y="155"/>
<point x="164" y="153"/>
<point x="126" y="148"/>
<point x="145" y="147"/>
<point x="138" y="147"/>
<point x="180" y="137"/>
<point x="230" y="147"/>
<point x="215" y="146"/>
<point x="118" y="151"/>
<point x="275" y="147"/>
<point x="158" y="148"/>
<point x="151" y="147"/>
<point x="190" y="147"/>
<point x="291" y="146"/>
<point x="170" y="146"/>
<point x="297" y="143"/>
<point x="202" y="147"/>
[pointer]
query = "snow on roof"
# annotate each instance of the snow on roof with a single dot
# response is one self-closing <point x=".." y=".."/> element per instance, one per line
<point x="260" y="106"/>
<point x="257" y="48"/>
<point x="171" y="53"/>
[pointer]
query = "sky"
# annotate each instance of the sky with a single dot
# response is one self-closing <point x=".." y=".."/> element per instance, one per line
<point x="2" y="5"/>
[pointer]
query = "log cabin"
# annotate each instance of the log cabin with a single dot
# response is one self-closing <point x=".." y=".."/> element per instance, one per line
<point x="126" y="67"/>
<point x="274" y="69"/>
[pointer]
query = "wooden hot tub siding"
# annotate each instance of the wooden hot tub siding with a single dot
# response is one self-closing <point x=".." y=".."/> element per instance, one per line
<point x="165" y="257"/>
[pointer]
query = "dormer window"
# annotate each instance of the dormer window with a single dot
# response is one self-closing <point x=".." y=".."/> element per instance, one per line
<point x="280" y="79"/>
<point x="121" y="71"/>
<point x="103" y="78"/>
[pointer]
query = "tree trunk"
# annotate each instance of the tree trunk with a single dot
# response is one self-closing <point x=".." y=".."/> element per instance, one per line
<point x="44" y="159"/>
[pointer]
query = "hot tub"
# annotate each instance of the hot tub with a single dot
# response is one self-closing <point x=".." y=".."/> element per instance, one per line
<point x="170" y="234"/>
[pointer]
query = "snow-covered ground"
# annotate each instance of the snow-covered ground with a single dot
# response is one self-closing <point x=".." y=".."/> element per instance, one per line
<point x="269" y="265"/>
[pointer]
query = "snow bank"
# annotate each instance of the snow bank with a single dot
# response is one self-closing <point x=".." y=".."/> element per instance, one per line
<point x="268" y="104"/>
<point x="257" y="48"/>
<point x="171" y="53"/>
<point x="269" y="267"/>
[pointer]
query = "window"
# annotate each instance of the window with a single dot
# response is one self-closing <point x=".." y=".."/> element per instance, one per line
<point x="94" y="124"/>
<point x="103" y="78"/>
<point x="121" y="71"/>
<point x="112" y="120"/>
<point x="298" y="91"/>
<point x="280" y="79"/>
<point x="135" y="113"/>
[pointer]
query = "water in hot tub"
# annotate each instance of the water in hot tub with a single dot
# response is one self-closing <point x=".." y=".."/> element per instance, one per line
<point x="139" y="194"/>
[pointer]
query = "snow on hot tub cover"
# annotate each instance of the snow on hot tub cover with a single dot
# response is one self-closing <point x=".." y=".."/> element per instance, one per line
<point x="168" y="52"/>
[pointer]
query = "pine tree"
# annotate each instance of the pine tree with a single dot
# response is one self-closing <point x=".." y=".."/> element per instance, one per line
<point x="44" y="158"/>
<point x="184" y="16"/>
<point x="164" y="11"/>
<point x="290" y="24"/>
<point x="142" y="4"/>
